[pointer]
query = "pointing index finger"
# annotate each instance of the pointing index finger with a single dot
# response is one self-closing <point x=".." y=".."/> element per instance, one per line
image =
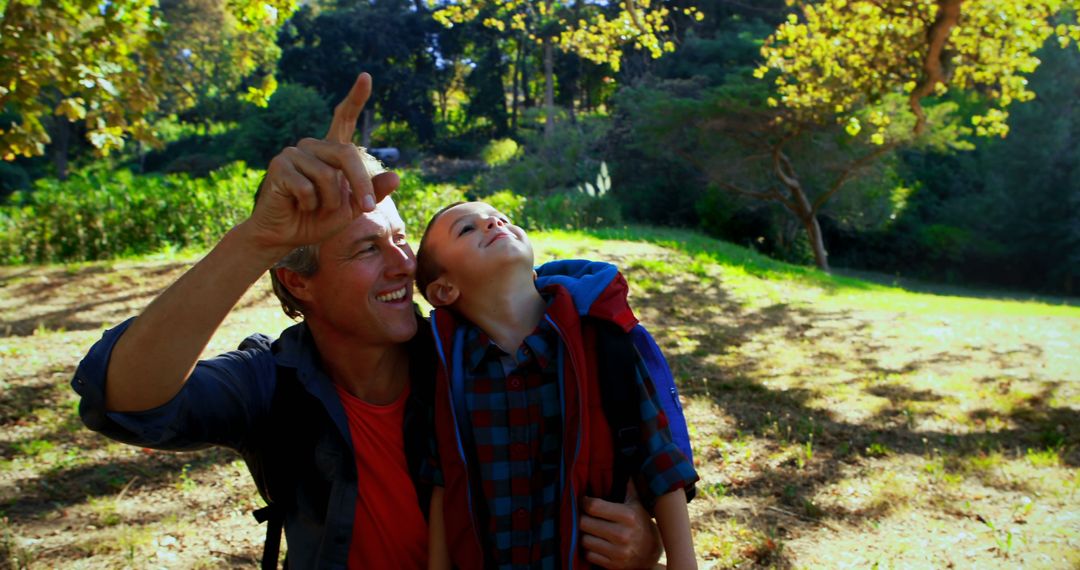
<point x="348" y="110"/>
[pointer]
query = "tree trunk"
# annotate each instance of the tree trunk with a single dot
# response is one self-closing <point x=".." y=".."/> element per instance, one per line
<point x="517" y="82"/>
<point x="817" y="242"/>
<point x="365" y="128"/>
<point x="549" y="88"/>
<point x="61" y="139"/>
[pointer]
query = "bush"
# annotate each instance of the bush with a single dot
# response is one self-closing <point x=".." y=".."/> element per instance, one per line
<point x="418" y="201"/>
<point x="12" y="177"/>
<point x="510" y="204"/>
<point x="101" y="215"/>
<point x="552" y="165"/>
<point x="294" y="112"/>
<point x="499" y="151"/>
<point x="570" y="211"/>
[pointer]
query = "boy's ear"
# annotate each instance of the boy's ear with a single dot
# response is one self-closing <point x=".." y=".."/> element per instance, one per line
<point x="441" y="292"/>
<point x="294" y="282"/>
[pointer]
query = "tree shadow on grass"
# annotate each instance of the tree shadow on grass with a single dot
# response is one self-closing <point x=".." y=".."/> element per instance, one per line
<point x="61" y="486"/>
<point x="781" y="417"/>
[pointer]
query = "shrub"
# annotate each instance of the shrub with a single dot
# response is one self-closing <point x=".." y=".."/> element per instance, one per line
<point x="569" y="211"/>
<point x="12" y="177"/>
<point x="294" y="112"/>
<point x="549" y="165"/>
<point x="98" y="215"/>
<point x="417" y="201"/>
<point x="510" y="204"/>
<point x="499" y="151"/>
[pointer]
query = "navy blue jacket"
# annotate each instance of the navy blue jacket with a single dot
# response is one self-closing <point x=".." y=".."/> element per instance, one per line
<point x="227" y="402"/>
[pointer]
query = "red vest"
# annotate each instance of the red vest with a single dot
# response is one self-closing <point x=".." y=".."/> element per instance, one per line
<point x="587" y="443"/>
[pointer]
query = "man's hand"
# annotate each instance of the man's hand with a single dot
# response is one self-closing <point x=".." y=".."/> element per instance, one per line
<point x="619" y="535"/>
<point x="316" y="188"/>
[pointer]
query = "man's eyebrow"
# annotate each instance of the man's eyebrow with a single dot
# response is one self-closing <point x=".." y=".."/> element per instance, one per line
<point x="360" y="240"/>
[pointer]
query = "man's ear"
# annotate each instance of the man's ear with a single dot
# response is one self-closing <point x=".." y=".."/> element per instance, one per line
<point x="296" y="284"/>
<point x="441" y="292"/>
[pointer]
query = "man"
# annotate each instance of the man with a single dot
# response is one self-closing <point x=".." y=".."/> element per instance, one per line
<point x="354" y="359"/>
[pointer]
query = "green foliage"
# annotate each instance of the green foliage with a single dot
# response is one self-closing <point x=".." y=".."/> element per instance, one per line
<point x="1004" y="213"/>
<point x="12" y="177"/>
<point x="97" y="63"/>
<point x="550" y="164"/>
<point x="570" y="210"/>
<point x="325" y="49"/>
<point x="588" y="30"/>
<point x="499" y="152"/>
<point x="103" y="215"/>
<point x="835" y="58"/>
<point x="417" y="201"/>
<point x="294" y="112"/>
<point x="513" y="205"/>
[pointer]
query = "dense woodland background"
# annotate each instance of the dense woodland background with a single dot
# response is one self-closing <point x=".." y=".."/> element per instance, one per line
<point x="674" y="119"/>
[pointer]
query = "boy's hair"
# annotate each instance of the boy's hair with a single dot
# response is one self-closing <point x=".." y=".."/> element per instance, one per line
<point x="427" y="267"/>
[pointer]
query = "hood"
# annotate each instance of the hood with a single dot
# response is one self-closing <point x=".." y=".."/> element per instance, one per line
<point x="597" y="289"/>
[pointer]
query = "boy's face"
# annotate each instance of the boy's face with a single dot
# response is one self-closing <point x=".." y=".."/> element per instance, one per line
<point x="474" y="242"/>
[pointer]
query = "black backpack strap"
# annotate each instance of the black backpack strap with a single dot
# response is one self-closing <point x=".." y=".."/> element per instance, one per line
<point x="620" y="400"/>
<point x="274" y="517"/>
<point x="274" y="471"/>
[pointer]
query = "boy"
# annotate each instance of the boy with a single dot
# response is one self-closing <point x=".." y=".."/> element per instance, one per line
<point x="520" y="430"/>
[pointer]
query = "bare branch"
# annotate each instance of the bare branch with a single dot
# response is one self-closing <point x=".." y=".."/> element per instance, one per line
<point x="849" y="172"/>
<point x="948" y="15"/>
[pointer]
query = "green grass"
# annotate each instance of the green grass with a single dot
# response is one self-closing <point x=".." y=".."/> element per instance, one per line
<point x="829" y="414"/>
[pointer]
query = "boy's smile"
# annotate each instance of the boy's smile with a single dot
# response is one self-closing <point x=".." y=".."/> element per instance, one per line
<point x="475" y="243"/>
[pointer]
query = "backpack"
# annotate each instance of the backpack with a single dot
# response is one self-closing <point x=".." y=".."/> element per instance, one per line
<point x="621" y="406"/>
<point x="277" y="473"/>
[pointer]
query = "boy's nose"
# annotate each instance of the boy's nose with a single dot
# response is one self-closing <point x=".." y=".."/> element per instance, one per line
<point x="494" y="222"/>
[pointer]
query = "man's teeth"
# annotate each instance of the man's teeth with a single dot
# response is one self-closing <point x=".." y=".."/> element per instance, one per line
<point x="393" y="296"/>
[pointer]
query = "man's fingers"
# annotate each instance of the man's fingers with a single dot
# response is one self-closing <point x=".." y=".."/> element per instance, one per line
<point x="603" y="529"/>
<point x="285" y="178"/>
<point x="346" y="158"/>
<point x="325" y="178"/>
<point x="385" y="183"/>
<point x="348" y="110"/>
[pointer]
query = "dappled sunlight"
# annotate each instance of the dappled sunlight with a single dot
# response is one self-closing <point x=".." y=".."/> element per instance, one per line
<point x="832" y="425"/>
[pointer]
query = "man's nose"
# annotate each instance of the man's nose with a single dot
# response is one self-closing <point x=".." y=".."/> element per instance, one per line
<point x="401" y="261"/>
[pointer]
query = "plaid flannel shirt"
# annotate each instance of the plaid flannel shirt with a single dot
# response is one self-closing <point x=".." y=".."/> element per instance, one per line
<point x="516" y="424"/>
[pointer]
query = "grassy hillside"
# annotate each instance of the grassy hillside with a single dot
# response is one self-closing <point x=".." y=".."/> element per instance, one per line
<point x="836" y="422"/>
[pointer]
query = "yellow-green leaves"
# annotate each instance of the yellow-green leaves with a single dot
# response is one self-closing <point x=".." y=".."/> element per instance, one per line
<point x="101" y="63"/>
<point x="588" y="31"/>
<point x="835" y="57"/>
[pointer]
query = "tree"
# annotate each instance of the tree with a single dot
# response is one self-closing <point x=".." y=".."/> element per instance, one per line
<point x="210" y="61"/>
<point x="849" y="62"/>
<point x="597" y="31"/>
<point x="389" y="39"/>
<point x="98" y="62"/>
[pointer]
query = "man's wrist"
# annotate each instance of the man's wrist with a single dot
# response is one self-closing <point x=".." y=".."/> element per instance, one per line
<point x="245" y="237"/>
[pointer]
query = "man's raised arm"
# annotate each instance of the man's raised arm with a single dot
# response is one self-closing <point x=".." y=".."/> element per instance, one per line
<point x="310" y="192"/>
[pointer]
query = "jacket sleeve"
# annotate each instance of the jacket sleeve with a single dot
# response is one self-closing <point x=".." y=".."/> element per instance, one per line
<point x="665" y="468"/>
<point x="219" y="404"/>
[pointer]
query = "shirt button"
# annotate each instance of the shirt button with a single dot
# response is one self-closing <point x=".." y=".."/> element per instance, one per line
<point x="515" y="383"/>
<point x="519" y="451"/>
<point x="521" y="514"/>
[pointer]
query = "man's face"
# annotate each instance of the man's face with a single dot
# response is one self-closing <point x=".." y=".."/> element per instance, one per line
<point x="363" y="287"/>
<point x="474" y="242"/>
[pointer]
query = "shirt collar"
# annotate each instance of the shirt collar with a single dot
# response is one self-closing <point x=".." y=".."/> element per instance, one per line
<point x="479" y="346"/>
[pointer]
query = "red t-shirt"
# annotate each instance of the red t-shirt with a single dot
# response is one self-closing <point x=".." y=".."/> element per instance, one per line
<point x="389" y="530"/>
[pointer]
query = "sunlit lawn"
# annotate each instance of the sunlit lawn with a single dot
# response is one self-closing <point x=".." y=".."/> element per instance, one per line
<point x="836" y="422"/>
